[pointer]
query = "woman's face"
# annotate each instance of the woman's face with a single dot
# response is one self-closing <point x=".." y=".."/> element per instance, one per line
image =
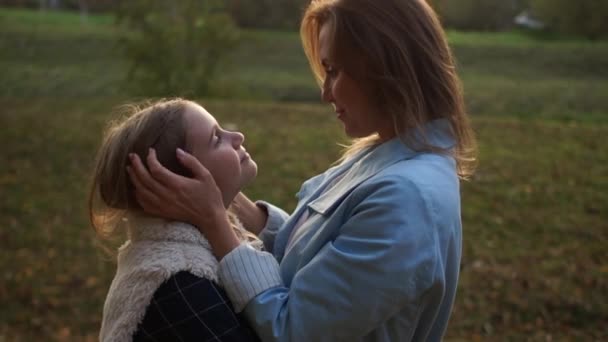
<point x="220" y="151"/>
<point x="352" y="104"/>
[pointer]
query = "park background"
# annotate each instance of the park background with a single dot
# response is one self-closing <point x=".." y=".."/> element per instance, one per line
<point x="535" y="215"/>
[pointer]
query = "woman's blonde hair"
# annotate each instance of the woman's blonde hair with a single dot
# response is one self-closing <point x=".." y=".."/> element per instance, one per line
<point x="160" y="125"/>
<point x="409" y="71"/>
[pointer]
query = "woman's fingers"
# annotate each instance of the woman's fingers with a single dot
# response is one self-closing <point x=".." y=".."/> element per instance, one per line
<point x="163" y="193"/>
<point x="192" y="164"/>
<point x="146" y="198"/>
<point x="161" y="174"/>
<point x="135" y="179"/>
<point x="142" y="179"/>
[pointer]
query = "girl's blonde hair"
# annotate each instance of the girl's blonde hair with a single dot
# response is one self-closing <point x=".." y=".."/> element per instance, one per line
<point x="409" y="71"/>
<point x="160" y="125"/>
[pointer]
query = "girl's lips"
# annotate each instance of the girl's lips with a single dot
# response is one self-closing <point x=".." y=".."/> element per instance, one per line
<point x="245" y="157"/>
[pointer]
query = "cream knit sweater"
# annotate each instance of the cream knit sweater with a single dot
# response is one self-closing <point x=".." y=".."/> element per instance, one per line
<point x="157" y="249"/>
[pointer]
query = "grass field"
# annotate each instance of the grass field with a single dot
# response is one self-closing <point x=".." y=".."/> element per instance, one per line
<point x="535" y="215"/>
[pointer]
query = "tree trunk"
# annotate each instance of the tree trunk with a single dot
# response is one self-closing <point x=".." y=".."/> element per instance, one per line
<point x="54" y="4"/>
<point x="84" y="10"/>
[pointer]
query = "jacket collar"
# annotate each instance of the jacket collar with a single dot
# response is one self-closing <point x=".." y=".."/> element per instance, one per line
<point x="436" y="132"/>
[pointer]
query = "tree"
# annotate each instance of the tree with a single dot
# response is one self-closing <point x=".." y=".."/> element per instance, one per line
<point x="275" y="14"/>
<point x="588" y="18"/>
<point x="486" y="15"/>
<point x="176" y="48"/>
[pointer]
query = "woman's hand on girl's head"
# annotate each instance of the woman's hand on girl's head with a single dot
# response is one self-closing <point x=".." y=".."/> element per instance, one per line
<point x="195" y="200"/>
<point x="162" y="193"/>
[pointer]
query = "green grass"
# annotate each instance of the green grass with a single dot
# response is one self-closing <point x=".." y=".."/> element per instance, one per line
<point x="535" y="215"/>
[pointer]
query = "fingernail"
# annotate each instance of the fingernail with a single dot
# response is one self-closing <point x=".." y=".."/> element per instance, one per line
<point x="180" y="152"/>
<point x="131" y="156"/>
<point x="150" y="150"/>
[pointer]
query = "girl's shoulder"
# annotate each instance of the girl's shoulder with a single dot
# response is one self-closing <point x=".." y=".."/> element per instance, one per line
<point x="187" y="307"/>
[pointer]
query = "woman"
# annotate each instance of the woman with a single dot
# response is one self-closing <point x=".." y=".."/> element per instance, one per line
<point x="372" y="250"/>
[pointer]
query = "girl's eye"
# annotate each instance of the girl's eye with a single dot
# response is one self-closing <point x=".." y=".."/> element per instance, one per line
<point x="218" y="139"/>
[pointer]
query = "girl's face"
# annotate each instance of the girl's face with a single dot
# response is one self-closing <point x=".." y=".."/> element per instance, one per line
<point x="220" y="151"/>
<point x="352" y="104"/>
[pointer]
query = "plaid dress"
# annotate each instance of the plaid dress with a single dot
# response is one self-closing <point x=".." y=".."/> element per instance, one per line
<point x="189" y="308"/>
<point x="165" y="288"/>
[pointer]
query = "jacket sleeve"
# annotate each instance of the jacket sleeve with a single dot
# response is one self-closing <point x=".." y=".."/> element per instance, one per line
<point x="382" y="262"/>
<point x="276" y="219"/>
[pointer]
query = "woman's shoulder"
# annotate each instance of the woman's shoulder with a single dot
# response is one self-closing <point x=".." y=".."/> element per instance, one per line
<point x="187" y="307"/>
<point x="423" y="171"/>
<point x="430" y="179"/>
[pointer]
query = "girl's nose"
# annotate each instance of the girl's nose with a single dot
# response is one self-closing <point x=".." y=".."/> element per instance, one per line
<point x="237" y="139"/>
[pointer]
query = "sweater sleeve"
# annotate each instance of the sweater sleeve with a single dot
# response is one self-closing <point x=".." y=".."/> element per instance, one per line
<point x="276" y="219"/>
<point x="189" y="308"/>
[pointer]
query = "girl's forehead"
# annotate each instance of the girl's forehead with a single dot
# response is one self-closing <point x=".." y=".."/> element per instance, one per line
<point x="197" y="111"/>
<point x="199" y="122"/>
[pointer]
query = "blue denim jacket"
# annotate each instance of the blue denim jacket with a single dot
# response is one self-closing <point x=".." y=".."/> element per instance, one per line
<point x="376" y="260"/>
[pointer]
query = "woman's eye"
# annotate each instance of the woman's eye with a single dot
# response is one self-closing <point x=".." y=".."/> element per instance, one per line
<point x="331" y="71"/>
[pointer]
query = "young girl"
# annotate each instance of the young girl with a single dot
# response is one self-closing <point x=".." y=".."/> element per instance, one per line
<point x="166" y="284"/>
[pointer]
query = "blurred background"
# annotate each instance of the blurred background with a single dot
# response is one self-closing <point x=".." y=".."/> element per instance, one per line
<point x="535" y="74"/>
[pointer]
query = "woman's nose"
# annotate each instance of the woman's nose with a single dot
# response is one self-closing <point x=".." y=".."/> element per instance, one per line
<point x="326" y="94"/>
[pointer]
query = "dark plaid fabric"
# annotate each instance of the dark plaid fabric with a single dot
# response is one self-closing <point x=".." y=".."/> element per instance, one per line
<point x="188" y="308"/>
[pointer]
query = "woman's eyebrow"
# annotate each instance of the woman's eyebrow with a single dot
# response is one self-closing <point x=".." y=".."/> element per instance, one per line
<point x="327" y="63"/>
